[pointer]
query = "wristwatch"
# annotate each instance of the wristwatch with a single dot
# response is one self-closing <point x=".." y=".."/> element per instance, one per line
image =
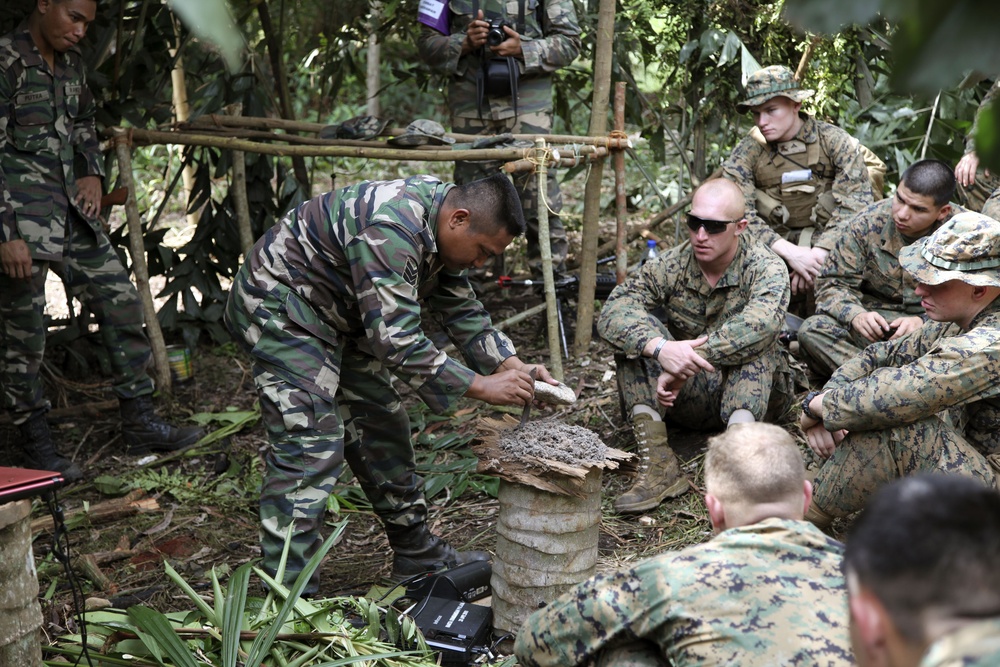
<point x="805" y="406"/>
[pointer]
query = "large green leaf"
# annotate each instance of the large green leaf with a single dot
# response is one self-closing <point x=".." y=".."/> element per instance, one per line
<point x="211" y="20"/>
<point x="232" y="615"/>
<point x="156" y="633"/>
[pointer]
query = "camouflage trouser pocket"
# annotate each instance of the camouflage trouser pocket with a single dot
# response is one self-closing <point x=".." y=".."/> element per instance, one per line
<point x="994" y="461"/>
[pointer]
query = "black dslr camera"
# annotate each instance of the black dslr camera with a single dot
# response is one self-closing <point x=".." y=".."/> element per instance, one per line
<point x="496" y="34"/>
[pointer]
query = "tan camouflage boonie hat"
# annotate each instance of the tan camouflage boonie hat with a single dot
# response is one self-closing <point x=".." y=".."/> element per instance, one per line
<point x="965" y="248"/>
<point x="773" y="81"/>
<point x="422" y="132"/>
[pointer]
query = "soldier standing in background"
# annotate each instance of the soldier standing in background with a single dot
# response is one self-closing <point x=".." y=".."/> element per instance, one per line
<point x="50" y="196"/>
<point x="765" y="590"/>
<point x="500" y="81"/>
<point x="801" y="177"/>
<point x="328" y="305"/>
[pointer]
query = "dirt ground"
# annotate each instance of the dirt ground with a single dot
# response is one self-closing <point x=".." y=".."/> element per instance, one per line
<point x="199" y="510"/>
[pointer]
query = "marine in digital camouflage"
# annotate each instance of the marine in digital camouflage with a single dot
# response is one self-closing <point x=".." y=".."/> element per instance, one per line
<point x="766" y="594"/>
<point x="838" y="187"/>
<point x="974" y="645"/>
<point x="861" y="274"/>
<point x="550" y="41"/>
<point x="927" y="401"/>
<point x="328" y="304"/>
<point x="47" y="140"/>
<point x="742" y="317"/>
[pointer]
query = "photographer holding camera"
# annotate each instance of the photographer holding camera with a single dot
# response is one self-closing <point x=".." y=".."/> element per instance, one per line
<point x="500" y="61"/>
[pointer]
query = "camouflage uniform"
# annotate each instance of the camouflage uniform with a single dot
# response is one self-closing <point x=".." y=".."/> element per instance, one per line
<point x="47" y="141"/>
<point x="923" y="402"/>
<point x="770" y="593"/>
<point x="742" y="317"/>
<point x="807" y="213"/>
<point x="550" y="40"/>
<point x="862" y="274"/>
<point x="984" y="194"/>
<point x="328" y="304"/>
<point x="973" y="645"/>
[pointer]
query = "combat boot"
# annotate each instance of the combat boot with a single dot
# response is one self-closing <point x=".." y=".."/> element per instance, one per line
<point x="41" y="451"/>
<point x="659" y="474"/>
<point x="144" y="432"/>
<point x="417" y="550"/>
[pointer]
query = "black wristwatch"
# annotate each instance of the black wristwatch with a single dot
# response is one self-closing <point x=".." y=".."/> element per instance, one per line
<point x="805" y="406"/>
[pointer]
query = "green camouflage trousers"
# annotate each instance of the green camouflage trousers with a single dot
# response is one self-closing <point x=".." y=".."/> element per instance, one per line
<point x="826" y="345"/>
<point x="762" y="386"/>
<point x="865" y="460"/>
<point x="526" y="182"/>
<point x="92" y="272"/>
<point x="323" y="401"/>
<point x="975" y="196"/>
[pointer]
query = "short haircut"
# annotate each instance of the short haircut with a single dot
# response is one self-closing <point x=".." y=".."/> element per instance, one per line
<point x="493" y="203"/>
<point x="754" y="463"/>
<point x="930" y="178"/>
<point x="929" y="545"/>
<point x="723" y="188"/>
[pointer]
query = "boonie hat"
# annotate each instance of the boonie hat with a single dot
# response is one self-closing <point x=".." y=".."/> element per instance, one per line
<point x="773" y="81"/>
<point x="422" y="132"/>
<point x="965" y="248"/>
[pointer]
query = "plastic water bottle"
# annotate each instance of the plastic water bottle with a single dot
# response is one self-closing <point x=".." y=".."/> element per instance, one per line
<point x="651" y="252"/>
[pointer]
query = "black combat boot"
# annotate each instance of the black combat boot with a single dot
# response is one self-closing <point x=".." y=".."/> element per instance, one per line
<point x="41" y="451"/>
<point x="144" y="432"/>
<point x="417" y="550"/>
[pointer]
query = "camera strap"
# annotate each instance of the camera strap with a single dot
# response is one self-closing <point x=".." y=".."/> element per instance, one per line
<point x="499" y="76"/>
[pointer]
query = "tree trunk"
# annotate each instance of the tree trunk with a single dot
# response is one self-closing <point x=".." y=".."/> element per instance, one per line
<point x="374" y="61"/>
<point x="182" y="111"/>
<point x="274" y="51"/>
<point x="592" y="194"/>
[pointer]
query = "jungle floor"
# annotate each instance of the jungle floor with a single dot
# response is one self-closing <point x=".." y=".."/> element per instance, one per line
<point x="198" y="510"/>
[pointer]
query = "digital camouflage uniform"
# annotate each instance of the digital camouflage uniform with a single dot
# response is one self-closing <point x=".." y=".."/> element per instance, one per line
<point x="47" y="141"/>
<point x="984" y="194"/>
<point x="806" y="212"/>
<point x="550" y="40"/>
<point x="974" y="645"/>
<point x="328" y="304"/>
<point x="861" y="274"/>
<point x="742" y="317"/>
<point x="766" y="594"/>
<point x="927" y="401"/>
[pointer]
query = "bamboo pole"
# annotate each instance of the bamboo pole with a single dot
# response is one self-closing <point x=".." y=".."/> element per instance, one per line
<point x="239" y="184"/>
<point x="528" y="165"/>
<point x="545" y="247"/>
<point x="259" y="122"/>
<point x="592" y="194"/>
<point x="377" y="151"/>
<point x="161" y="369"/>
<point x="618" y="162"/>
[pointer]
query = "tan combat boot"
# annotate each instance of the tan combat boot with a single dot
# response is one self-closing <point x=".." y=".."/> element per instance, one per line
<point x="659" y="474"/>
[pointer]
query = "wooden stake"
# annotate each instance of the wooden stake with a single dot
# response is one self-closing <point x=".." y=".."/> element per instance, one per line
<point x="545" y="247"/>
<point x="161" y="369"/>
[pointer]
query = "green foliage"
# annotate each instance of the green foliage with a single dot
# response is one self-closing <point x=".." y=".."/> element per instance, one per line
<point x="232" y="628"/>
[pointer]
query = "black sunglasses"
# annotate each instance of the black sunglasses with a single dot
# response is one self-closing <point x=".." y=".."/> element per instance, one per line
<point x="711" y="226"/>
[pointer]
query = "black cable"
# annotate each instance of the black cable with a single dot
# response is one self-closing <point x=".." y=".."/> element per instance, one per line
<point x="60" y="550"/>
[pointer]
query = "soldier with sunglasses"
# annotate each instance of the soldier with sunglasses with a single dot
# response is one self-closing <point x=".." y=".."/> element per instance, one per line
<point x="696" y="332"/>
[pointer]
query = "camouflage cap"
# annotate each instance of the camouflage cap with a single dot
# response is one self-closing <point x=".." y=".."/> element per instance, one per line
<point x="422" y="132"/>
<point x="359" y="127"/>
<point x="773" y="81"/>
<point x="965" y="248"/>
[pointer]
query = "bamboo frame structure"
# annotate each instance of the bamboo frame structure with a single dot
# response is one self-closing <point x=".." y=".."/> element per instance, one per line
<point x="243" y="135"/>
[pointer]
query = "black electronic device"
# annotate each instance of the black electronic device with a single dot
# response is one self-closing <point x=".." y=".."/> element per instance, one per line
<point x="457" y="630"/>
<point x="466" y="583"/>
